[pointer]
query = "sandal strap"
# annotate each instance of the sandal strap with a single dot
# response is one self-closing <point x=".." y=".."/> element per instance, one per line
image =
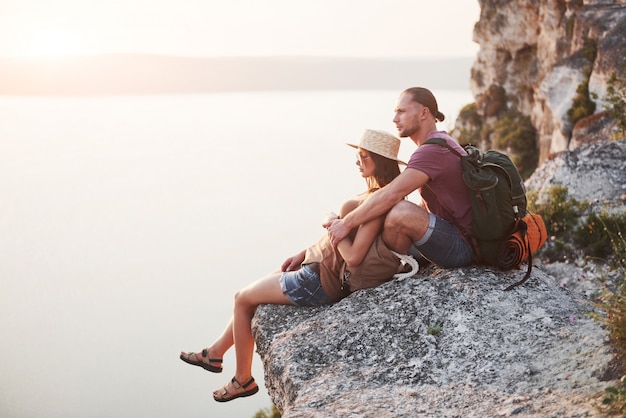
<point x="205" y="353"/>
<point x="238" y="385"/>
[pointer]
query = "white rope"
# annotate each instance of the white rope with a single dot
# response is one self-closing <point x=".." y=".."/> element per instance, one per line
<point x="410" y="261"/>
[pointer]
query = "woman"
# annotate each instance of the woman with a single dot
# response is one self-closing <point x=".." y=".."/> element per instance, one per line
<point x="313" y="277"/>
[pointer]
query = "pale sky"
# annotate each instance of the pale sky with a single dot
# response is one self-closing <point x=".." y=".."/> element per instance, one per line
<point x="348" y="28"/>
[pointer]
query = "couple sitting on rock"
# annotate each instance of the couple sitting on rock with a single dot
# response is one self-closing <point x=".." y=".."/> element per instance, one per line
<point x="355" y="253"/>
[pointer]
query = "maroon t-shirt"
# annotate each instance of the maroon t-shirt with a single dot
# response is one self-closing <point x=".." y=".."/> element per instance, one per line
<point x="445" y="180"/>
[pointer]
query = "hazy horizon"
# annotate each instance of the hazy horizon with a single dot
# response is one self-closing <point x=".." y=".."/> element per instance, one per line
<point x="162" y="54"/>
<point x="116" y="74"/>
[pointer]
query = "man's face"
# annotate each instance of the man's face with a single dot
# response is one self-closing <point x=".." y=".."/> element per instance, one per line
<point x="407" y="116"/>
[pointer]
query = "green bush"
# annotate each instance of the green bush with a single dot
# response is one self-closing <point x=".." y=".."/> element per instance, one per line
<point x="614" y="402"/>
<point x="576" y="4"/>
<point x="512" y="133"/>
<point x="616" y="96"/>
<point x="578" y="229"/>
<point x="590" y="52"/>
<point x="473" y="121"/>
<point x="582" y="105"/>
<point x="271" y="412"/>
<point x="515" y="134"/>
<point x="613" y="303"/>
<point x="602" y="236"/>
<point x="561" y="215"/>
<point x="434" y="329"/>
<point x="559" y="209"/>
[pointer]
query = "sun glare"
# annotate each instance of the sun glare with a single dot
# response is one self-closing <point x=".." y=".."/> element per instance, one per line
<point x="49" y="45"/>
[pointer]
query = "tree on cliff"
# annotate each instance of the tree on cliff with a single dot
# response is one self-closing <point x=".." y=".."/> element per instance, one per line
<point x="616" y="96"/>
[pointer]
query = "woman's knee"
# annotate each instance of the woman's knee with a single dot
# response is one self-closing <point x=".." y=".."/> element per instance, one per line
<point x="243" y="300"/>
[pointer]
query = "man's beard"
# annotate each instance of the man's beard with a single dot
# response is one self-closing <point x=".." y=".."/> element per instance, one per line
<point x="405" y="133"/>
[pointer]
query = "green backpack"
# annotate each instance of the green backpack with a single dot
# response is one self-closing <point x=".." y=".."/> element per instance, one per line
<point x="498" y="197"/>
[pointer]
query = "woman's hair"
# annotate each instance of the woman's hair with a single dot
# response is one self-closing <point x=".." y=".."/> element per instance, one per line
<point x="386" y="170"/>
<point x="426" y="98"/>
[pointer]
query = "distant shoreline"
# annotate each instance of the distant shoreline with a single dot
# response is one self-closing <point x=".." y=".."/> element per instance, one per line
<point x="156" y="74"/>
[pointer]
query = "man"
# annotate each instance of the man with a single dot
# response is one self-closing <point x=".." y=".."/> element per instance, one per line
<point x="439" y="228"/>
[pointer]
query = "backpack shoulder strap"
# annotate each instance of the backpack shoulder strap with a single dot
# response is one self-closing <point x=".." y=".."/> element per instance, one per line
<point x="471" y="239"/>
<point x="443" y="143"/>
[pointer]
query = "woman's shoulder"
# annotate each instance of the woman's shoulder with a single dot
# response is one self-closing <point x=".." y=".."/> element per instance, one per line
<point x="351" y="204"/>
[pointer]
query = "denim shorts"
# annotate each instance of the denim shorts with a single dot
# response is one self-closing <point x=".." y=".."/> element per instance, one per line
<point x="443" y="245"/>
<point x="303" y="287"/>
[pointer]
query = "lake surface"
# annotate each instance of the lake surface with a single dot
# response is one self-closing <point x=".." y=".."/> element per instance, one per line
<point x="127" y="223"/>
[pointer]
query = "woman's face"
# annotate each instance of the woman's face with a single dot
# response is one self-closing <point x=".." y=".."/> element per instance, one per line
<point x="365" y="162"/>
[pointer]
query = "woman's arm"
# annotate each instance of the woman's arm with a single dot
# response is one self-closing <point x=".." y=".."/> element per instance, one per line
<point x="354" y="251"/>
<point x="294" y="262"/>
<point x="378" y="203"/>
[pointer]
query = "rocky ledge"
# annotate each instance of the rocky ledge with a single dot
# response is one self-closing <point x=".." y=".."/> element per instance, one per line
<point x="443" y="343"/>
<point x="453" y="343"/>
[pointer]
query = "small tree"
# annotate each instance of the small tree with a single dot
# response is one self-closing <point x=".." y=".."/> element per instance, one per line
<point x="515" y="134"/>
<point x="616" y="96"/>
<point x="271" y="412"/>
<point x="582" y="105"/>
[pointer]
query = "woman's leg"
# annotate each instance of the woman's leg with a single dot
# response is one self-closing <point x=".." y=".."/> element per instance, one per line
<point x="264" y="290"/>
<point x="239" y="329"/>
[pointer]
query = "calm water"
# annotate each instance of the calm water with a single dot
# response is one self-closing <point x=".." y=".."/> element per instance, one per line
<point x="127" y="223"/>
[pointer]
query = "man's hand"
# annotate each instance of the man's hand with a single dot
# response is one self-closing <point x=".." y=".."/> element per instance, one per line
<point x="337" y="231"/>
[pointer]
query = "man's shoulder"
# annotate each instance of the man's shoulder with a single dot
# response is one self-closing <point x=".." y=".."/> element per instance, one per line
<point x="439" y="134"/>
<point x="439" y="138"/>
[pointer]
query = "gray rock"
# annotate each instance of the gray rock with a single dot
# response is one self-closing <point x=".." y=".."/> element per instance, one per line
<point x="594" y="172"/>
<point x="444" y="343"/>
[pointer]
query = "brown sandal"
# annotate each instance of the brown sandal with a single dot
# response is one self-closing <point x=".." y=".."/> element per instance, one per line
<point x="220" y="394"/>
<point x="204" y="363"/>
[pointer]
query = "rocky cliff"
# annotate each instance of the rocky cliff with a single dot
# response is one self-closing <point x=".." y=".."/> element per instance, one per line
<point x="452" y="343"/>
<point x="447" y="343"/>
<point x="594" y="172"/>
<point x="537" y="56"/>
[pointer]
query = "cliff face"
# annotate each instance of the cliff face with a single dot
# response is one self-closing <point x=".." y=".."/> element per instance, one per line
<point x="535" y="54"/>
<point x="444" y="343"/>
<point x="594" y="172"/>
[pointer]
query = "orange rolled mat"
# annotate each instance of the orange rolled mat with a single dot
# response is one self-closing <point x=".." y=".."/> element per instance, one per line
<point x="525" y="241"/>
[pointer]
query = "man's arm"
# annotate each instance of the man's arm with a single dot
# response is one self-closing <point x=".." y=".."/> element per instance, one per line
<point x="378" y="203"/>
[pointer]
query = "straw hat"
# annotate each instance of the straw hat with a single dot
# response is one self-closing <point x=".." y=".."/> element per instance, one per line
<point x="381" y="143"/>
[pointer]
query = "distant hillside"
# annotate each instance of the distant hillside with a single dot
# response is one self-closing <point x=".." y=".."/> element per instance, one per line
<point x="153" y="74"/>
